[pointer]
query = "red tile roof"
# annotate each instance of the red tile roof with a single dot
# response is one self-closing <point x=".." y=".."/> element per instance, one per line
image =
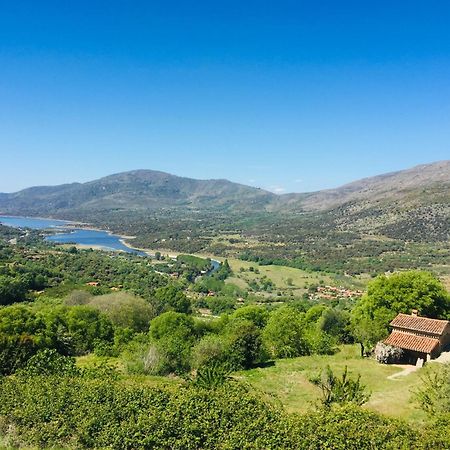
<point x="409" y="341"/>
<point x="423" y="324"/>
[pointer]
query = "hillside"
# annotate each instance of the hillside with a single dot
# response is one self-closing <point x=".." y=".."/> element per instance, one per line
<point x="132" y="191"/>
<point x="152" y="190"/>
<point x="415" y="185"/>
<point x="391" y="221"/>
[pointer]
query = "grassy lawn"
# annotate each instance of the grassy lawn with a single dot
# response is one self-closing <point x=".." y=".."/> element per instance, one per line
<point x="288" y="380"/>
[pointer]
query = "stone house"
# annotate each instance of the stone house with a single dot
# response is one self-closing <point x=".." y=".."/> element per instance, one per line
<point x="421" y="338"/>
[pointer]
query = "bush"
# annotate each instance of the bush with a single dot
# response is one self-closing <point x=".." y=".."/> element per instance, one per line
<point x="49" y="362"/>
<point x="209" y="350"/>
<point x="340" y="390"/>
<point x="386" y="354"/>
<point x="125" y="310"/>
<point x="434" y="394"/>
<point x="96" y="413"/>
<point x="351" y="428"/>
<point x="243" y="342"/>
<point x="173" y="335"/>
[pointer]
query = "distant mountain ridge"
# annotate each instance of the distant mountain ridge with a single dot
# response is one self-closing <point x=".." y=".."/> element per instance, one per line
<point x="425" y="176"/>
<point x="141" y="190"/>
<point x="135" y="190"/>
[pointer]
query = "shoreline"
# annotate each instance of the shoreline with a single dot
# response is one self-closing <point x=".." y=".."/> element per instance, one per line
<point x="71" y="225"/>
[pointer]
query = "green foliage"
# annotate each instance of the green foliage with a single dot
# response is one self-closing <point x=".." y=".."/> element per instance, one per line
<point x="223" y="272"/>
<point x="98" y="410"/>
<point x="258" y="315"/>
<point x="284" y="333"/>
<point x="244" y="344"/>
<point x="341" y="390"/>
<point x="104" y="413"/>
<point x="125" y="310"/>
<point x="434" y="394"/>
<point x="212" y="375"/>
<point x="69" y="330"/>
<point x="173" y="298"/>
<point x="49" y="362"/>
<point x="336" y="323"/>
<point x="211" y="349"/>
<point x="194" y="262"/>
<point x="398" y="293"/>
<point x="319" y="342"/>
<point x="15" y="352"/>
<point x="349" y="427"/>
<point x="13" y="289"/>
<point x="220" y="304"/>
<point x="174" y="335"/>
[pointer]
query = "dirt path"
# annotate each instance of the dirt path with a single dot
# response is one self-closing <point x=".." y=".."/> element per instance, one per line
<point x="406" y="371"/>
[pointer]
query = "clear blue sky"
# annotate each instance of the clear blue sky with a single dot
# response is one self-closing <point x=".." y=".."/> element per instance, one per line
<point x="289" y="96"/>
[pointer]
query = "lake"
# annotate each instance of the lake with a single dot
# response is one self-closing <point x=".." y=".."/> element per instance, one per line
<point x="68" y="235"/>
<point x="65" y="235"/>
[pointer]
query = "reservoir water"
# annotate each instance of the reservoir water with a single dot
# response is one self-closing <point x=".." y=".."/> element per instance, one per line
<point x="69" y="235"/>
<point x="65" y="235"/>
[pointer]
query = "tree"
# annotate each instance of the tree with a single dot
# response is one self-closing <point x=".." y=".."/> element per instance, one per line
<point x="174" y="335"/>
<point x="125" y="310"/>
<point x="256" y="314"/>
<point x="243" y="342"/>
<point x="283" y="335"/>
<point x="173" y="298"/>
<point x="211" y="349"/>
<point x="12" y="289"/>
<point x="336" y="323"/>
<point x="398" y="293"/>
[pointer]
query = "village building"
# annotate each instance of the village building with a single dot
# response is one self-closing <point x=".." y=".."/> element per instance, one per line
<point x="420" y="338"/>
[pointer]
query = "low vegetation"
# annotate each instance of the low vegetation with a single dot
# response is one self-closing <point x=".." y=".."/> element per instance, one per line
<point x="104" y="350"/>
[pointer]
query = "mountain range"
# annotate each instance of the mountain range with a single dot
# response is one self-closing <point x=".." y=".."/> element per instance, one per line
<point x="152" y="190"/>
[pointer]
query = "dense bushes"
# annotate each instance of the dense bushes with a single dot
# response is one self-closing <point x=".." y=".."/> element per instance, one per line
<point x="94" y="410"/>
<point x="69" y="330"/>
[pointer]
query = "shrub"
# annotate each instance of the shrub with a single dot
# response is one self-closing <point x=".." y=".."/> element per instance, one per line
<point x="340" y="390"/>
<point x="434" y="395"/>
<point x="386" y="354"/>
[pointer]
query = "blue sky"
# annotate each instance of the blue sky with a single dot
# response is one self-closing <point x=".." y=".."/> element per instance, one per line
<point x="285" y="95"/>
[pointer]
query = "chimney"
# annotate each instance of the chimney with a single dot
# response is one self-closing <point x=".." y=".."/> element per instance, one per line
<point x="414" y="313"/>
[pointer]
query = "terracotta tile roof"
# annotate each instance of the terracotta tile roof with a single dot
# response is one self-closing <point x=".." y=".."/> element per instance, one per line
<point x="424" y="324"/>
<point x="409" y="341"/>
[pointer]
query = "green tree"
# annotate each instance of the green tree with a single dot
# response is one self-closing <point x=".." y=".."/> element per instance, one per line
<point x="399" y="293"/>
<point x="125" y="310"/>
<point x="173" y="298"/>
<point x="174" y="335"/>
<point x="256" y="314"/>
<point x="243" y="342"/>
<point x="284" y="333"/>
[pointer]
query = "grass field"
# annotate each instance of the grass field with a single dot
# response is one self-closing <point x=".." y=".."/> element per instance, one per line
<point x="288" y="381"/>
<point x="287" y="279"/>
